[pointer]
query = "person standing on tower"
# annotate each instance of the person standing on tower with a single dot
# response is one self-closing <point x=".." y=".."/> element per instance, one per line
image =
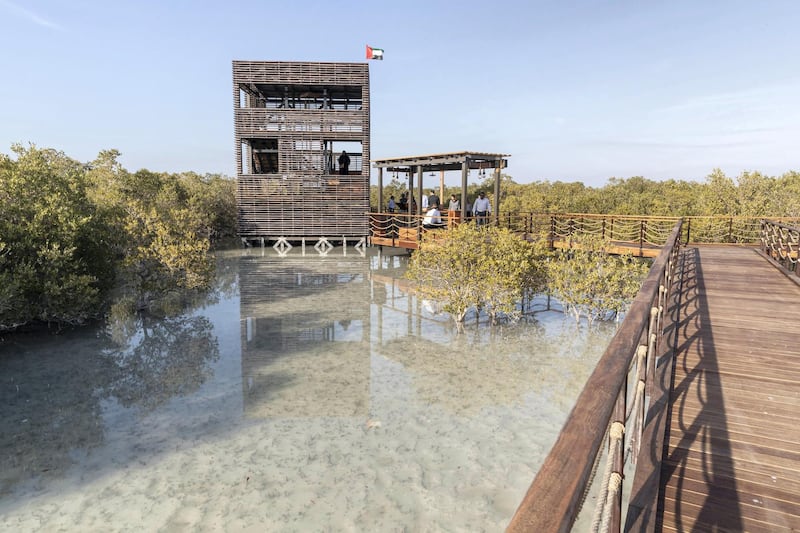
<point x="344" y="163"/>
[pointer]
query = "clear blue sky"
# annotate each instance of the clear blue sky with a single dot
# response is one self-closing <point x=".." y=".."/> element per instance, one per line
<point x="574" y="91"/>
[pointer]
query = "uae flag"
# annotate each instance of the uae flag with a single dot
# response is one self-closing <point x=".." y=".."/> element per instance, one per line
<point x="374" y="53"/>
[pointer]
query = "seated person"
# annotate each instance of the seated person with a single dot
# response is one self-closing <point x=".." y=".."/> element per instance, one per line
<point x="433" y="219"/>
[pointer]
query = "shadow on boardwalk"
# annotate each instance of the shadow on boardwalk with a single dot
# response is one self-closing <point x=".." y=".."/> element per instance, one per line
<point x="731" y="459"/>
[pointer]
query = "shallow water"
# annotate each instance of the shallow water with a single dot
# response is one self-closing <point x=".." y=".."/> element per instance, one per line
<point x="305" y="394"/>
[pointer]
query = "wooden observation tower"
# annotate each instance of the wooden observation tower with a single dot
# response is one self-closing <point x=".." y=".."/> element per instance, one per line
<point x="292" y="122"/>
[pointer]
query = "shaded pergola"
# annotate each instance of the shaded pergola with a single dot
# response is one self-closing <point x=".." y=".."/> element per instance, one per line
<point x="420" y="164"/>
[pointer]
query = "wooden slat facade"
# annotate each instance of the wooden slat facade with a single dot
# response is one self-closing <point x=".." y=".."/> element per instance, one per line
<point x="732" y="455"/>
<point x="289" y="118"/>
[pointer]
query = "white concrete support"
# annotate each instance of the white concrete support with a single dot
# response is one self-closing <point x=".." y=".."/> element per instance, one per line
<point x="323" y="246"/>
<point x="282" y="246"/>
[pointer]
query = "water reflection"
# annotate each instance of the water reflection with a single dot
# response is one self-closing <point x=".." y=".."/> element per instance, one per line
<point x="311" y="325"/>
<point x="476" y="369"/>
<point x="54" y="387"/>
<point x="305" y="349"/>
<point x="167" y="357"/>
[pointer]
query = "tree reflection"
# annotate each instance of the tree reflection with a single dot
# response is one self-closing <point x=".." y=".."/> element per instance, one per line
<point x="500" y="366"/>
<point x="226" y="280"/>
<point x="168" y="357"/>
<point x="52" y="388"/>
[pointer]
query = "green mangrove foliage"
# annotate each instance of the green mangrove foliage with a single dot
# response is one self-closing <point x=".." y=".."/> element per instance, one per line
<point x="592" y="283"/>
<point x="491" y="270"/>
<point x="73" y="234"/>
<point x="53" y="266"/>
<point x="481" y="268"/>
<point x="751" y="194"/>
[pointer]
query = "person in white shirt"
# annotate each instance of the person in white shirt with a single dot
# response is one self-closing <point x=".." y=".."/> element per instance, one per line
<point x="433" y="219"/>
<point x="481" y="208"/>
<point x="424" y="202"/>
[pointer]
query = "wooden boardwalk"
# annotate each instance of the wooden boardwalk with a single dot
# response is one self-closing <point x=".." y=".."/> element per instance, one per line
<point x="733" y="456"/>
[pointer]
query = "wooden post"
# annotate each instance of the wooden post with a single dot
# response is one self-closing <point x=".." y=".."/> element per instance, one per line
<point x="380" y="190"/>
<point x="497" y="165"/>
<point x="464" y="173"/>
<point x="688" y="230"/>
<point x="441" y="186"/>
<point x="641" y="236"/>
<point x="410" y="192"/>
<point x="730" y="230"/>
<point x="421" y="190"/>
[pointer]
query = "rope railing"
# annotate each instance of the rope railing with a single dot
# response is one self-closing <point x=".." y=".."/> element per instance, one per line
<point x="642" y="231"/>
<point x="781" y="242"/>
<point x="653" y="230"/>
<point x="630" y="230"/>
<point x="606" y="410"/>
<point x="391" y="225"/>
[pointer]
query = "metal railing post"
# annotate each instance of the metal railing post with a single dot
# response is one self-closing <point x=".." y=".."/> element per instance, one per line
<point x="688" y="229"/>
<point x="642" y="224"/>
<point x="730" y="230"/>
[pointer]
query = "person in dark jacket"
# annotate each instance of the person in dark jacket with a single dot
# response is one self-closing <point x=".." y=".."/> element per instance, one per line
<point x="344" y="163"/>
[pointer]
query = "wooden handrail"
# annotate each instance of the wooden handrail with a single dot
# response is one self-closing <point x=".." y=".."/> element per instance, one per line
<point x="553" y="500"/>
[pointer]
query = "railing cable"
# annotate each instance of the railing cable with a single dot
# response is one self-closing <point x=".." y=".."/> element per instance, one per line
<point x="608" y="489"/>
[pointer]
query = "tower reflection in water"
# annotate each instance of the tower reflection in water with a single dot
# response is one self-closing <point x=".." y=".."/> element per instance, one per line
<point x="305" y="336"/>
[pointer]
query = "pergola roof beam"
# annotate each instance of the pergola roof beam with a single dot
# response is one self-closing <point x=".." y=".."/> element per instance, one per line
<point x="451" y="161"/>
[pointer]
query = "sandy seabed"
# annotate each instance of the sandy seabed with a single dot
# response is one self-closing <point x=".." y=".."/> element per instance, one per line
<point x="395" y="470"/>
<point x="398" y="469"/>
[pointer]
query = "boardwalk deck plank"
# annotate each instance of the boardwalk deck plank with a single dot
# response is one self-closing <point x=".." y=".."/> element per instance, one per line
<point x="782" y="476"/>
<point x="748" y="419"/>
<point x="742" y="424"/>
<point x="776" y="377"/>
<point x="733" y="458"/>
<point x="749" y="495"/>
